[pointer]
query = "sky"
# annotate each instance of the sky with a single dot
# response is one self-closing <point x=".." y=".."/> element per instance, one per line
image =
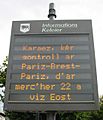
<point x="16" y="10"/>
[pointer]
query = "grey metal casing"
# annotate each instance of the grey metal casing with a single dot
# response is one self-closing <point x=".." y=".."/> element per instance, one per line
<point x="74" y="32"/>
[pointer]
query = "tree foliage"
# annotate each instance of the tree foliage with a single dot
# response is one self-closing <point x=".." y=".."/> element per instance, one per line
<point x="96" y="115"/>
<point x="3" y="71"/>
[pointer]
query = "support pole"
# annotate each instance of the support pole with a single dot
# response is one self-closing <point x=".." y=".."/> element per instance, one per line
<point x="51" y="12"/>
<point x="51" y="116"/>
<point x="37" y="116"/>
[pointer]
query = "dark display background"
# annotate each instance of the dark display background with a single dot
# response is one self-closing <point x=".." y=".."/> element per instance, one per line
<point x="83" y="74"/>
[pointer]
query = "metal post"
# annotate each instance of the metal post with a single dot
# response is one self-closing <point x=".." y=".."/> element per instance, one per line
<point x="37" y="116"/>
<point x="51" y="11"/>
<point x="52" y="14"/>
<point x="51" y="116"/>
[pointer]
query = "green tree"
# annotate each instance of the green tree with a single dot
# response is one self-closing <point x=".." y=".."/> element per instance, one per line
<point x="67" y="116"/>
<point x="93" y="115"/>
<point x="3" y="71"/>
<point x="98" y="115"/>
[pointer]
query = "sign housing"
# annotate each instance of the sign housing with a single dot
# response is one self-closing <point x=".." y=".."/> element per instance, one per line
<point x="51" y="66"/>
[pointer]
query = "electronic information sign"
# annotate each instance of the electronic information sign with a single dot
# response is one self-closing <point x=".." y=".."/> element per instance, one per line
<point x="51" y="66"/>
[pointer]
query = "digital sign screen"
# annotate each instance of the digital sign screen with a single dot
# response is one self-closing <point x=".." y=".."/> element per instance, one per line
<point x="47" y="71"/>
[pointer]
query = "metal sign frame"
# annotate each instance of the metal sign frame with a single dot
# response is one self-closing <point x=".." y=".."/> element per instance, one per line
<point x="51" y="28"/>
